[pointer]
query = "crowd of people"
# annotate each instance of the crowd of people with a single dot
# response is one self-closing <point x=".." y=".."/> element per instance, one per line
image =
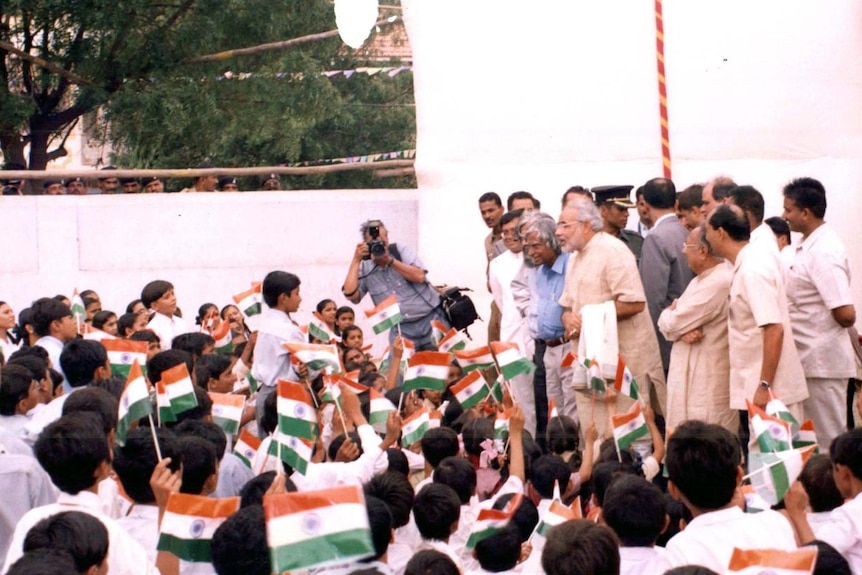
<point x="110" y="184"/>
<point x="631" y="440"/>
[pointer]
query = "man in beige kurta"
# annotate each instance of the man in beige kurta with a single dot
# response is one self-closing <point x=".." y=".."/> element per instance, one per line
<point x="603" y="269"/>
<point x="763" y="357"/>
<point x="698" y="382"/>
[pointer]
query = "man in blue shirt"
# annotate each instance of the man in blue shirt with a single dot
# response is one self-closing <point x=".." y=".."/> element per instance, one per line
<point x="542" y="246"/>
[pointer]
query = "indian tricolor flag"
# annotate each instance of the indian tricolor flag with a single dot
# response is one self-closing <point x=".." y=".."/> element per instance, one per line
<point x="79" y="312"/>
<point x="470" y="390"/>
<point x="558" y="513"/>
<point x="332" y="393"/>
<point x="624" y="382"/>
<point x="772" y="561"/>
<point x="569" y="360"/>
<point x="772" y="433"/>
<point x="296" y="414"/>
<point x="122" y="353"/>
<point x="776" y="408"/>
<point x="594" y="375"/>
<point x="438" y="331"/>
<point x="163" y="404"/>
<point x="248" y="301"/>
<point x="227" y="411"/>
<point x="294" y="451"/>
<point x="246" y="447"/>
<point x="223" y="338"/>
<point x="805" y="436"/>
<point x="453" y="341"/>
<point x="501" y="424"/>
<point x="629" y="426"/>
<point x="385" y="316"/>
<point x="189" y="523"/>
<point x="350" y="384"/>
<point x="379" y="410"/>
<point x="414" y="427"/>
<point x="316" y="528"/>
<point x="180" y="389"/>
<point x="316" y="356"/>
<point x="478" y="358"/>
<point x="319" y="330"/>
<point x="491" y="521"/>
<point x="772" y="474"/>
<point x="510" y="361"/>
<point x="427" y="370"/>
<point x="134" y="403"/>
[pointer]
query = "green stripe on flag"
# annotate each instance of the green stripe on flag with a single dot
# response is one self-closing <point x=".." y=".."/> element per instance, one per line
<point x="477" y="536"/>
<point x="253" y="309"/>
<point x="387" y="324"/>
<point x="183" y="403"/>
<point x="424" y="382"/>
<point x="229" y="426"/>
<point x="193" y="550"/>
<point x="522" y="365"/>
<point x="297" y="427"/>
<point x="137" y="410"/>
<point x="633" y="435"/>
<point x="166" y="415"/>
<point x="335" y="547"/>
<point x="780" y="480"/>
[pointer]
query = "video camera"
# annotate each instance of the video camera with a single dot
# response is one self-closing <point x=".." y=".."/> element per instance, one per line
<point x="376" y="247"/>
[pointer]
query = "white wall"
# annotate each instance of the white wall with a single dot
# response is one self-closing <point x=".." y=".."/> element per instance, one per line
<point x="210" y="246"/>
<point x="543" y="95"/>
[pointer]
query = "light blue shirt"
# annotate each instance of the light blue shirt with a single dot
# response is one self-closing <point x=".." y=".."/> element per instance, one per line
<point x="550" y="282"/>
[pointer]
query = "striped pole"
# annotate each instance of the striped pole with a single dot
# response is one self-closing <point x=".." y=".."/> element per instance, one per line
<point x="662" y="88"/>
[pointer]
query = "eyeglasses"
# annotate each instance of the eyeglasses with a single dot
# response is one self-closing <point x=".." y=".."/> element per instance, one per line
<point x="686" y="245"/>
<point x="566" y="225"/>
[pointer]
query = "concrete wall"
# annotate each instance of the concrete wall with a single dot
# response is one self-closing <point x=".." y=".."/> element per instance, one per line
<point x="210" y="246"/>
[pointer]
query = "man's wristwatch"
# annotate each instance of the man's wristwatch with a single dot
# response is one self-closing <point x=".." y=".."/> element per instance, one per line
<point x="765" y="385"/>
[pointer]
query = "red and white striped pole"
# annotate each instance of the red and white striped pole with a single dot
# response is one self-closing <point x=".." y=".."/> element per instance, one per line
<point x="662" y="88"/>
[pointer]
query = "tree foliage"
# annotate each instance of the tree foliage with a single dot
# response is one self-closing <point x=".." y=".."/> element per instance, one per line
<point x="272" y="108"/>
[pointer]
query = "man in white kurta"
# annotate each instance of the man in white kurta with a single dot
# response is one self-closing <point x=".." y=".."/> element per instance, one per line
<point x="502" y="270"/>
<point x="698" y="382"/>
<point x="821" y="308"/>
<point x="763" y="358"/>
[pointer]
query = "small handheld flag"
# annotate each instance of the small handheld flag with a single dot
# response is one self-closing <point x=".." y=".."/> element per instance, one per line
<point x="223" y="339"/>
<point x="189" y="523"/>
<point x="427" y="370"/>
<point x="134" y="402"/>
<point x="510" y="361"/>
<point x="296" y="414"/>
<point x="624" y="382"/>
<point x="385" y="316"/>
<point x="179" y="388"/>
<point x="470" y="390"/>
<point x="227" y="411"/>
<point x="316" y="528"/>
<point x="316" y="356"/>
<point x="629" y="426"/>
<point x="478" y="358"/>
<point x="246" y="447"/>
<point x="249" y="301"/>
<point x="122" y="353"/>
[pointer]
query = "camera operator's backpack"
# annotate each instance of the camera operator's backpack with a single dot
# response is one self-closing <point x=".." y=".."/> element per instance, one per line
<point x="459" y="308"/>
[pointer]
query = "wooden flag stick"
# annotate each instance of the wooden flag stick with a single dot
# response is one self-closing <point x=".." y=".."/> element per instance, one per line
<point x="155" y="437"/>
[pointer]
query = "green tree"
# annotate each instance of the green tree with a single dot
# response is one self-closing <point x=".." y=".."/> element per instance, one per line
<point x="128" y="57"/>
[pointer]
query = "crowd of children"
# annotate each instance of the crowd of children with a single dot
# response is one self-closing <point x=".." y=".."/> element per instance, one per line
<point x="445" y="487"/>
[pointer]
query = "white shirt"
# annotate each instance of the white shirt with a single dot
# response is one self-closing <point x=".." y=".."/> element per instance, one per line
<point x="501" y="271"/>
<point x="125" y="557"/>
<point x="643" y="561"/>
<point x="709" y="539"/>
<point x="54" y="347"/>
<point x="757" y="298"/>
<point x="336" y="474"/>
<point x="7" y="348"/>
<point x="167" y="328"/>
<point x="41" y="419"/>
<point x="844" y="532"/>
<point x="24" y="485"/>
<point x="817" y="281"/>
<point x="271" y="359"/>
<point x="142" y="523"/>
<point x="14" y="425"/>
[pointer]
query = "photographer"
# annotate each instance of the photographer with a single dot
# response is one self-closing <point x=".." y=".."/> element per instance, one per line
<point x="381" y="269"/>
